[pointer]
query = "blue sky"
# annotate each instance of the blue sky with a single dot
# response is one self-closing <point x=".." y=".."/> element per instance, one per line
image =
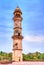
<point x="32" y="24"/>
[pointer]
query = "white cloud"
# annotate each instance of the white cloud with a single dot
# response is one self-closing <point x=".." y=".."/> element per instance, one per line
<point x="34" y="38"/>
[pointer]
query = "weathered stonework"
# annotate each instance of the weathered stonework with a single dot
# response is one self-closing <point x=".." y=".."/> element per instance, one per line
<point x="17" y="36"/>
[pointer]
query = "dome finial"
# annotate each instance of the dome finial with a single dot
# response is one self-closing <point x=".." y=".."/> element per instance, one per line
<point x="17" y="6"/>
<point x="17" y="10"/>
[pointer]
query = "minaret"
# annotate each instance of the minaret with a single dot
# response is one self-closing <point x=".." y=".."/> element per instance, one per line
<point x="17" y="36"/>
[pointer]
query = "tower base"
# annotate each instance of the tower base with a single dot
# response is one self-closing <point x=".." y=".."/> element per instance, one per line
<point x="17" y="56"/>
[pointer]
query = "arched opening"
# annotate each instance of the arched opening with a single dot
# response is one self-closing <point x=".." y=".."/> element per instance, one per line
<point x="18" y="34"/>
<point x="19" y="58"/>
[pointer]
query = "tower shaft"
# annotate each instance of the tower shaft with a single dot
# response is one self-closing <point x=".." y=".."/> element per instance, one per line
<point x="17" y="36"/>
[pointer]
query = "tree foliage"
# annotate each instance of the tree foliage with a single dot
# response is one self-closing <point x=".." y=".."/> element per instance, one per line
<point x="5" y="56"/>
<point x="26" y="57"/>
<point x="33" y="56"/>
